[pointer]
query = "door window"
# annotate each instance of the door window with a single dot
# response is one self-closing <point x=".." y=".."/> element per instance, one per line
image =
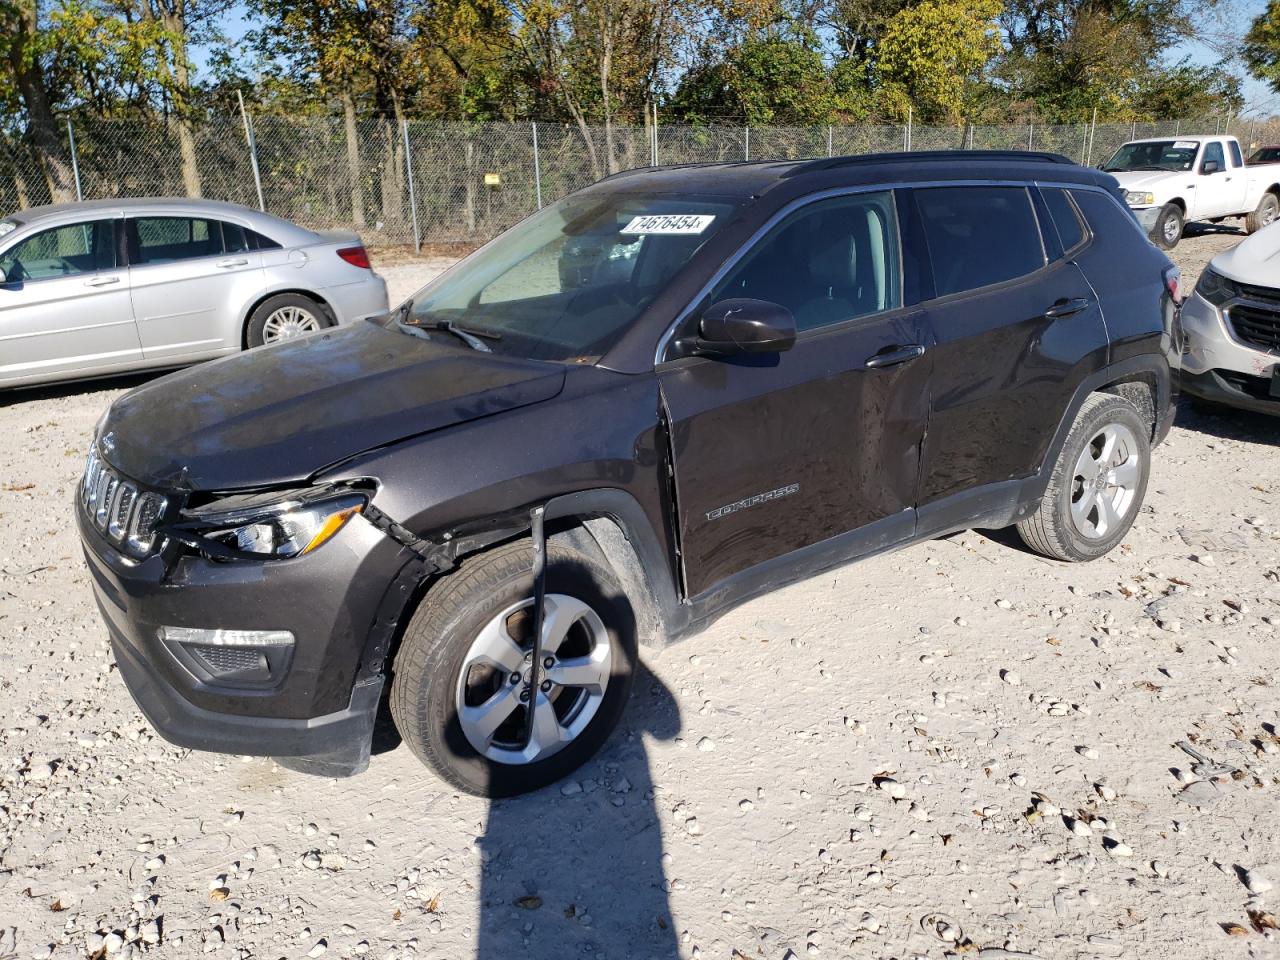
<point x="1237" y="159"/>
<point x="167" y="239"/>
<point x="62" y="252"/>
<point x="978" y="236"/>
<point x="829" y="261"/>
<point x="1066" y="219"/>
<point x="1213" y="151"/>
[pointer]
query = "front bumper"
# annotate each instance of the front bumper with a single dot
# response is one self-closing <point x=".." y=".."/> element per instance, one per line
<point x="1217" y="366"/>
<point x="1147" y="217"/>
<point x="328" y="600"/>
<point x="1233" y="391"/>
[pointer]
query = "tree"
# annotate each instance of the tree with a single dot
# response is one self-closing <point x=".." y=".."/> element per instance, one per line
<point x="1262" y="46"/>
<point x="934" y="49"/>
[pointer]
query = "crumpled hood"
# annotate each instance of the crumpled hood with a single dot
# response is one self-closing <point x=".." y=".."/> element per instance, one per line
<point x="1149" y="179"/>
<point x="1256" y="260"/>
<point x="281" y="413"/>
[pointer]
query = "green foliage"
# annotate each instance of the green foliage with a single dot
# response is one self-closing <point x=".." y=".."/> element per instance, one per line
<point x="1262" y="46"/>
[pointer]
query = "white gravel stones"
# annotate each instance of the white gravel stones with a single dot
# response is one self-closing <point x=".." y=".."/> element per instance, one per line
<point x="1087" y="752"/>
<point x="1104" y="791"/>
<point x="692" y="827"/>
<point x="892" y="787"/>
<point x="1011" y="677"/>
<point x="746" y="806"/>
<point x="1256" y="883"/>
<point x="570" y="788"/>
<point x="1004" y="604"/>
<point x="321" y="946"/>
<point x="706" y="744"/>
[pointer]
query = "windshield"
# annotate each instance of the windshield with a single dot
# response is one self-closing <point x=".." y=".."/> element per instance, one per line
<point x="1172" y="155"/>
<point x="567" y="282"/>
<point x="1266" y="155"/>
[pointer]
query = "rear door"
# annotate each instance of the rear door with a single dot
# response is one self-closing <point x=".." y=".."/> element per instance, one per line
<point x="188" y="276"/>
<point x="1016" y="325"/>
<point x="778" y="452"/>
<point x="64" y="304"/>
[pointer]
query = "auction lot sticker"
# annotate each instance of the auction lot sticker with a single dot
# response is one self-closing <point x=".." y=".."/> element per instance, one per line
<point x="687" y="223"/>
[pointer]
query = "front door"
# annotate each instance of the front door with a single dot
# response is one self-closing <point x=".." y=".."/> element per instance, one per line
<point x="64" y="305"/>
<point x="1221" y="193"/>
<point x="779" y="452"/>
<point x="183" y="272"/>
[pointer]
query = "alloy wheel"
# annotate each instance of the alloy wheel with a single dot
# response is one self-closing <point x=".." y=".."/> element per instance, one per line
<point x="494" y="694"/>
<point x="289" y="322"/>
<point x="1105" y="481"/>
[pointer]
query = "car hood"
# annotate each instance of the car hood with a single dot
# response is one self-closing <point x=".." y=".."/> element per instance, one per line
<point x="282" y="413"/>
<point x="1256" y="260"/>
<point x="1146" y="179"/>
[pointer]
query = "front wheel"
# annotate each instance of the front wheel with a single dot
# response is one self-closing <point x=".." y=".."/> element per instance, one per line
<point x="461" y="695"/>
<point x="1097" y="484"/>
<point x="1168" y="229"/>
<point x="1264" y="214"/>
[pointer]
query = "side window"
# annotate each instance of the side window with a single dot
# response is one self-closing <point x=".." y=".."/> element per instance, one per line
<point x="258" y="242"/>
<point x="62" y="252"/>
<point x="1237" y="159"/>
<point x="166" y="239"/>
<point x="1213" y="151"/>
<point x="234" y="238"/>
<point x="1105" y="215"/>
<point x="1066" y="219"/>
<point x="830" y="261"/>
<point x="978" y="236"/>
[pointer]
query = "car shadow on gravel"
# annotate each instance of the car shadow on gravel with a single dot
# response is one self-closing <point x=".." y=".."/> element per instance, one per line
<point x="75" y="388"/>
<point x="576" y="869"/>
<point x="1200" y="228"/>
<point x="1228" y="423"/>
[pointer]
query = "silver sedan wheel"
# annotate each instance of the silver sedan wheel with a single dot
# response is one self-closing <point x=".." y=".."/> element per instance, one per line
<point x="493" y="694"/>
<point x="289" y="322"/>
<point x="1105" y="482"/>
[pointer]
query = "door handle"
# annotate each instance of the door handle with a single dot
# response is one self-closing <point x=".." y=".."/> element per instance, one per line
<point x="233" y="262"/>
<point x="1067" y="308"/>
<point x="100" y="281"/>
<point x="891" y="356"/>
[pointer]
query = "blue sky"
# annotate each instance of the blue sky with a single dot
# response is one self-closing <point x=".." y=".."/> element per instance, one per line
<point x="1234" y="15"/>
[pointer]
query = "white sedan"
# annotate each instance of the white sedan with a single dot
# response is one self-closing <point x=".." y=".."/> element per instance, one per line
<point x="1232" y="324"/>
<point x="108" y="286"/>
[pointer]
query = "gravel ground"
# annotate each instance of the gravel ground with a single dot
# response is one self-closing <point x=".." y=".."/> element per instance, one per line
<point x="956" y="749"/>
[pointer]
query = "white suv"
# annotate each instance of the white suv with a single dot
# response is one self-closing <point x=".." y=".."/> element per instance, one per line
<point x="1232" y="324"/>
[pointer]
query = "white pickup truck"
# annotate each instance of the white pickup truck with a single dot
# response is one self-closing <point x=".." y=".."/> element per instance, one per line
<point x="1170" y="180"/>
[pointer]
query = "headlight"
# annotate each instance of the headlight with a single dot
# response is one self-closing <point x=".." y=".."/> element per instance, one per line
<point x="290" y="524"/>
<point x="1216" y="288"/>
<point x="1136" y="198"/>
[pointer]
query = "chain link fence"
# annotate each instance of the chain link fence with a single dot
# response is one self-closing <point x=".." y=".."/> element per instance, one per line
<point x="440" y="182"/>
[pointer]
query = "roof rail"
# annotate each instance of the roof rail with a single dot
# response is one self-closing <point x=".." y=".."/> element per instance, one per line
<point x="829" y="163"/>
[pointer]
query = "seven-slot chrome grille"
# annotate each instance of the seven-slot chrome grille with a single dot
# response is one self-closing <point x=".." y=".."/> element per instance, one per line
<point x="124" y="514"/>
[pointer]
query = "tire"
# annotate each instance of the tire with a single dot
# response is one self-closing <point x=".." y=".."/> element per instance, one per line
<point x="1267" y="212"/>
<point x="429" y="695"/>
<point x="1073" y="522"/>
<point x="284" y="316"/>
<point x="1168" y="229"/>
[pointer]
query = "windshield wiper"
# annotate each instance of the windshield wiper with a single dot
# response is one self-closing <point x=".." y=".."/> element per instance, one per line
<point x="467" y="335"/>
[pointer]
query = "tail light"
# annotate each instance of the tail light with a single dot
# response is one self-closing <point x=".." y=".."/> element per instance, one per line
<point x="356" y="256"/>
<point x="1172" y="279"/>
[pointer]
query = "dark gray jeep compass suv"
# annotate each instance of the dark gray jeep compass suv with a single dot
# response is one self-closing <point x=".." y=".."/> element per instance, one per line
<point x="667" y="393"/>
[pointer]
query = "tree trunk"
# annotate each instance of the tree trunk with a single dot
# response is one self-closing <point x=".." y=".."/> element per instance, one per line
<point x="353" y="157"/>
<point x="174" y="19"/>
<point x="42" y="126"/>
<point x="606" y="68"/>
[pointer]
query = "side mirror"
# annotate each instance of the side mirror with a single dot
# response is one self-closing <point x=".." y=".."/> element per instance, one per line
<point x="745" y="326"/>
<point x="1209" y="166"/>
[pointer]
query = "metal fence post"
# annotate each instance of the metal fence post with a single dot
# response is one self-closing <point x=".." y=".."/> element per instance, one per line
<point x="653" y="132"/>
<point x="829" y="151"/>
<point x="906" y="134"/>
<point x="75" y="162"/>
<point x="253" y="151"/>
<point x="1093" y="129"/>
<point x="413" y="197"/>
<point x="537" y="166"/>
<point x="746" y="142"/>
<point x="1031" y="132"/>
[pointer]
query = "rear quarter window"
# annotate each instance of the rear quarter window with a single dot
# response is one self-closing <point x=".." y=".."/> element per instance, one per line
<point x="979" y="236"/>
<point x="1065" y="217"/>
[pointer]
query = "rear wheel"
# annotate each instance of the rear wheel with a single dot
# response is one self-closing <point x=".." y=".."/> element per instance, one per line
<point x="284" y="317"/>
<point x="1097" y="484"/>
<point x="1268" y="210"/>
<point x="461" y="694"/>
<point x="1168" y="229"/>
